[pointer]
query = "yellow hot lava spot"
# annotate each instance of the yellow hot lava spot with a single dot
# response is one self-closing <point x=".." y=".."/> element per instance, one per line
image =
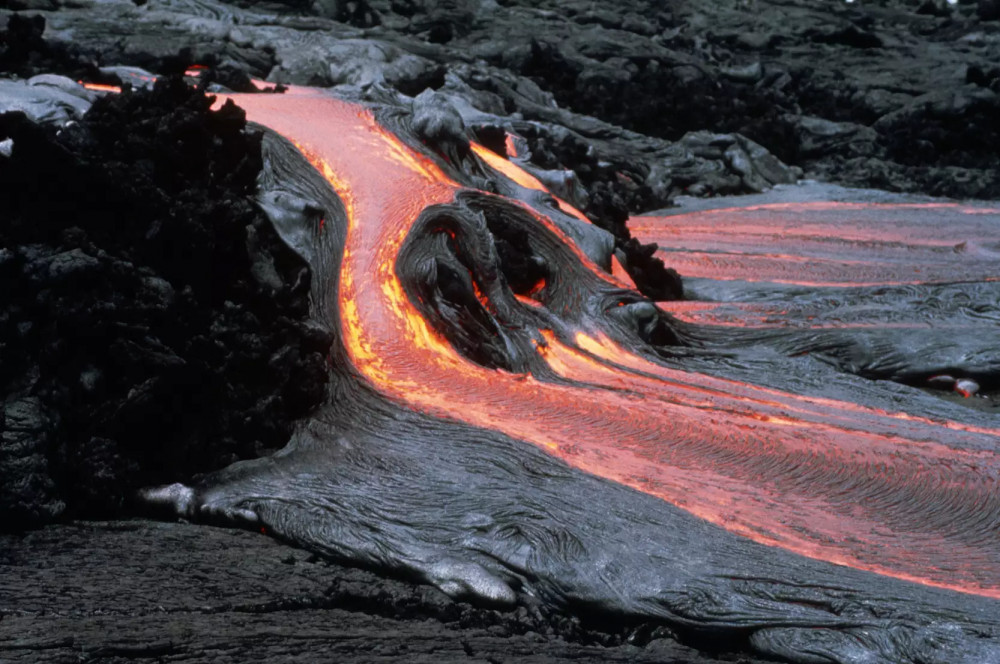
<point x="522" y="177"/>
<point x="100" y="87"/>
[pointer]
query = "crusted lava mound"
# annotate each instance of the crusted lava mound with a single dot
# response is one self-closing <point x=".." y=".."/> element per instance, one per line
<point x="153" y="324"/>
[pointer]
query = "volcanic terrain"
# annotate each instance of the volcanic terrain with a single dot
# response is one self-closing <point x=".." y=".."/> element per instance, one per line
<point x="527" y="330"/>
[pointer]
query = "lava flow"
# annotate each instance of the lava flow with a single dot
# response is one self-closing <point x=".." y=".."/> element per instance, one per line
<point x="831" y="243"/>
<point x="885" y="492"/>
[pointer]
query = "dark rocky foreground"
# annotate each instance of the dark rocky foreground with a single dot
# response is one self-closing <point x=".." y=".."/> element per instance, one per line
<point x="149" y="592"/>
<point x="80" y="438"/>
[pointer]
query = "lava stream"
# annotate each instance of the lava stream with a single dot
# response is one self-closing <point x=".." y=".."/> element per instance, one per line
<point x="894" y="494"/>
<point x="831" y="243"/>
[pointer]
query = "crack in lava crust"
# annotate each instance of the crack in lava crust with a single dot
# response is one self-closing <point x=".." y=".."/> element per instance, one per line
<point x="901" y="496"/>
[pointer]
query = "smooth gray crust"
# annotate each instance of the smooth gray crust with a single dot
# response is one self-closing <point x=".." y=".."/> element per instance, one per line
<point x="45" y="99"/>
<point x="950" y="325"/>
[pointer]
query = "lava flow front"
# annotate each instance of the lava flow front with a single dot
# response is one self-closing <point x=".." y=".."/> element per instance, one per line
<point x="895" y="494"/>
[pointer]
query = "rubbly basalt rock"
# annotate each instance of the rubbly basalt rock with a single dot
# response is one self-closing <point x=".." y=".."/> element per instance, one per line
<point x="24" y="52"/>
<point x="752" y="69"/>
<point x="792" y="82"/>
<point x="411" y="68"/>
<point x="153" y="323"/>
<point x="28" y="496"/>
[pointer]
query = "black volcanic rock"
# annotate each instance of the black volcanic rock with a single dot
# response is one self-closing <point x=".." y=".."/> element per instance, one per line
<point x="153" y="323"/>
<point x="24" y="51"/>
<point x="988" y="10"/>
<point x="737" y="68"/>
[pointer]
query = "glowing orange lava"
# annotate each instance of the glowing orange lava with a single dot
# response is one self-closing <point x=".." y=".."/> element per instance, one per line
<point x="831" y="243"/>
<point x="886" y="492"/>
<point x="522" y="177"/>
<point x="762" y="315"/>
<point x="100" y="87"/>
<point x="510" y="146"/>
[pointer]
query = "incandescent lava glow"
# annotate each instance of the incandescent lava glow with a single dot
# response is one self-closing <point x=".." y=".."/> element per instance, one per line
<point x="886" y="492"/>
<point x="101" y="87"/>
<point x="830" y="243"/>
<point x="521" y="177"/>
<point x="510" y="146"/>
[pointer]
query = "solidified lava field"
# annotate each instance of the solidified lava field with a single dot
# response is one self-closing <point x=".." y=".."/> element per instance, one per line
<point x="499" y="361"/>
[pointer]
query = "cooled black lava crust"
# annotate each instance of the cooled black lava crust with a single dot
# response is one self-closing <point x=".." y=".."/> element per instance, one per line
<point x="152" y="325"/>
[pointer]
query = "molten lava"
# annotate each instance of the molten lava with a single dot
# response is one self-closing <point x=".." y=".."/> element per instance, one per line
<point x="100" y="87"/>
<point x="522" y="177"/>
<point x="895" y="494"/>
<point x="830" y="243"/>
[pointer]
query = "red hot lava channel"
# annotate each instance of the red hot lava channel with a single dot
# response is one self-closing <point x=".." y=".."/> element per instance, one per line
<point x="886" y="492"/>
